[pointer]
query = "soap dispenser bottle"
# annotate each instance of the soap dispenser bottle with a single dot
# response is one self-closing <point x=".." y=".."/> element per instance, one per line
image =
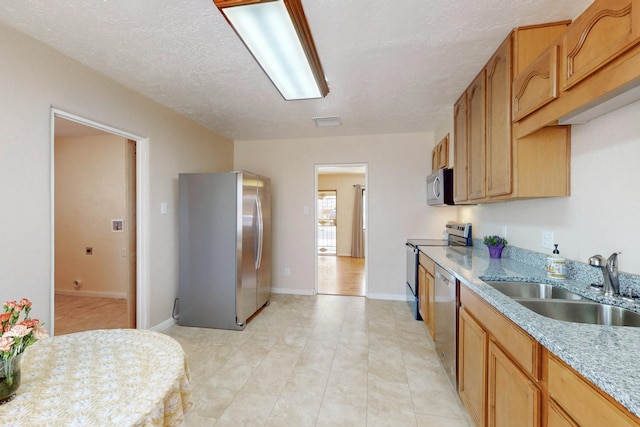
<point x="556" y="265"/>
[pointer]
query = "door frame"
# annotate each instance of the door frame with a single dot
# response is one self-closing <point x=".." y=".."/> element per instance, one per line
<point x="142" y="214"/>
<point x="315" y="221"/>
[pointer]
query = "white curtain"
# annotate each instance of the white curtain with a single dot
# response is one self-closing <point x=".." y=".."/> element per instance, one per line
<point x="357" y="230"/>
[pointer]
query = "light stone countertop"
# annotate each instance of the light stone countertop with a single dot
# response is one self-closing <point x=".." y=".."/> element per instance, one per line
<point x="608" y="356"/>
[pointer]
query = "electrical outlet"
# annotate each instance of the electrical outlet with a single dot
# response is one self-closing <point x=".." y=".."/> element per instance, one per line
<point x="287" y="271"/>
<point x="547" y="239"/>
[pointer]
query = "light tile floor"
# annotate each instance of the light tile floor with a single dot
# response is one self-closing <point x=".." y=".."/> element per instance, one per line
<point x="320" y="361"/>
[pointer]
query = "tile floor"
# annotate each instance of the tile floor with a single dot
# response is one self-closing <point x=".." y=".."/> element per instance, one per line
<point x="320" y="361"/>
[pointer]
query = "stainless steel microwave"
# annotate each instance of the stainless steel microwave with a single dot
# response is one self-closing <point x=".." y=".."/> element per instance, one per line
<point x="440" y="188"/>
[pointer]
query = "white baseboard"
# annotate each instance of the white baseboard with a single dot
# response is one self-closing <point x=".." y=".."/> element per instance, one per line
<point x="292" y="291"/>
<point x="163" y="326"/>
<point x="391" y="297"/>
<point x="115" y="295"/>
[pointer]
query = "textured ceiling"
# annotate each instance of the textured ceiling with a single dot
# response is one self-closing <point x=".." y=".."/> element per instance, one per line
<point x="392" y="66"/>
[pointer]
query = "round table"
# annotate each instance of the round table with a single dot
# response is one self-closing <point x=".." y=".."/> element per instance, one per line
<point x="111" y="377"/>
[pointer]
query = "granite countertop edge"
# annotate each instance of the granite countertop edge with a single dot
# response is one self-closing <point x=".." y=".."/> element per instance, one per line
<point x="605" y="355"/>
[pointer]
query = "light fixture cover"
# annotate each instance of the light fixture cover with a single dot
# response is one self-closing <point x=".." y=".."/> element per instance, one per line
<point x="277" y="34"/>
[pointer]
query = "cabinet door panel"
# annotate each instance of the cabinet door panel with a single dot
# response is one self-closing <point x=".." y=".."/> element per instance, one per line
<point x="443" y="161"/>
<point x="592" y="408"/>
<point x="422" y="292"/>
<point x="435" y="158"/>
<point x="556" y="417"/>
<point x="537" y="85"/>
<point x="499" y="161"/>
<point x="477" y="137"/>
<point x="472" y="361"/>
<point x="431" y="305"/>
<point x="602" y="33"/>
<point x="460" y="138"/>
<point x="513" y="399"/>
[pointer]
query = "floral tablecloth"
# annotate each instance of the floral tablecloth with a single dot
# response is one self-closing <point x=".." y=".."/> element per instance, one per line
<point x="115" y="377"/>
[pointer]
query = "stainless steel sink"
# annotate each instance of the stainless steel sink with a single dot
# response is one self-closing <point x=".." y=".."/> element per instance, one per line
<point x="584" y="311"/>
<point x="532" y="290"/>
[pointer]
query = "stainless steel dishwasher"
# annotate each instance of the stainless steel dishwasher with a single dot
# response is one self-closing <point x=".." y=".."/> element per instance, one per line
<point x="447" y="322"/>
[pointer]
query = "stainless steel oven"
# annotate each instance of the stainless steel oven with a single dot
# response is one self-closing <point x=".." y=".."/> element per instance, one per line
<point x="412" y="246"/>
<point x="458" y="234"/>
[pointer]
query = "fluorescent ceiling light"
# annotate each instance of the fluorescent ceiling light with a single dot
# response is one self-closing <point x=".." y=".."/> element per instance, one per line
<point x="278" y="36"/>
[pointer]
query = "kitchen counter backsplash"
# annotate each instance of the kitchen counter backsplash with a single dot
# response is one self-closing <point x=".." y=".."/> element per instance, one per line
<point x="578" y="271"/>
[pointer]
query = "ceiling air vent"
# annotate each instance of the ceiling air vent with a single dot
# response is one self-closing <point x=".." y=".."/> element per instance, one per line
<point x="322" y="122"/>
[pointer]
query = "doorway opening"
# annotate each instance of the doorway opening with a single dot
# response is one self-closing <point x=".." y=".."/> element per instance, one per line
<point x="97" y="280"/>
<point x="341" y="229"/>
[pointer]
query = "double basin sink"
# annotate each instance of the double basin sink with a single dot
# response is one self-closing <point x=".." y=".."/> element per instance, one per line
<point x="561" y="304"/>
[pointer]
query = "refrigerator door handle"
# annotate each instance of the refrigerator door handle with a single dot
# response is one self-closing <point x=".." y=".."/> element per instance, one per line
<point x="259" y="240"/>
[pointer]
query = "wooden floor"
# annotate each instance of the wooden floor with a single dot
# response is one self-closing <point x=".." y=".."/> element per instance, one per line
<point x="340" y="275"/>
<point x="80" y="313"/>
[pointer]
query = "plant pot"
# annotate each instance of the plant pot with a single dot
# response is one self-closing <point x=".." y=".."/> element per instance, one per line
<point x="495" y="251"/>
<point x="9" y="378"/>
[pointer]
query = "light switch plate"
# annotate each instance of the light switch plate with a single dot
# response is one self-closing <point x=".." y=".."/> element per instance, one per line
<point x="547" y="239"/>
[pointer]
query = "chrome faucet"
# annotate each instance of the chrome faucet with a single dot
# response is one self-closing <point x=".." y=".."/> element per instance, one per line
<point x="609" y="269"/>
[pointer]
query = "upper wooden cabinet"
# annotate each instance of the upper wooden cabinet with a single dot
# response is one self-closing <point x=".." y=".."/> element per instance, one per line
<point x="489" y="164"/>
<point x="460" y="142"/>
<point x="498" y="140"/>
<point x="598" y="59"/>
<point x="603" y="32"/>
<point x="537" y="85"/>
<point x="440" y="154"/>
<point x="476" y="115"/>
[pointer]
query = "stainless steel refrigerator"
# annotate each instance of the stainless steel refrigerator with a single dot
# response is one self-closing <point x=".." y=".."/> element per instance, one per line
<point x="224" y="226"/>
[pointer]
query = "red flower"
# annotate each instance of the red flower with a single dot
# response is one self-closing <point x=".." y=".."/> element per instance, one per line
<point x="30" y="323"/>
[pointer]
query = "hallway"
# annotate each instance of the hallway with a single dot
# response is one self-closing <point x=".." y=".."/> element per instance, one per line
<point x="341" y="275"/>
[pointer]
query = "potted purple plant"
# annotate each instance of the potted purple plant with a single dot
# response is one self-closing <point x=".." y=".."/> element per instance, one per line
<point x="495" y="245"/>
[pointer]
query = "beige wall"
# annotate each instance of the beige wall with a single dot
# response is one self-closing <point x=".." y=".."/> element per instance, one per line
<point x="397" y="168"/>
<point x="601" y="215"/>
<point x="33" y="78"/>
<point x="343" y="184"/>
<point x="90" y="192"/>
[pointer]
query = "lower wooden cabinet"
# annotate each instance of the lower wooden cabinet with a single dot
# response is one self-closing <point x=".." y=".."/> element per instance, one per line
<point x="473" y="342"/>
<point x="580" y="401"/>
<point x="556" y="417"/>
<point x="422" y="291"/>
<point x="427" y="292"/>
<point x="506" y="378"/>
<point x="495" y="389"/>
<point x="514" y="400"/>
